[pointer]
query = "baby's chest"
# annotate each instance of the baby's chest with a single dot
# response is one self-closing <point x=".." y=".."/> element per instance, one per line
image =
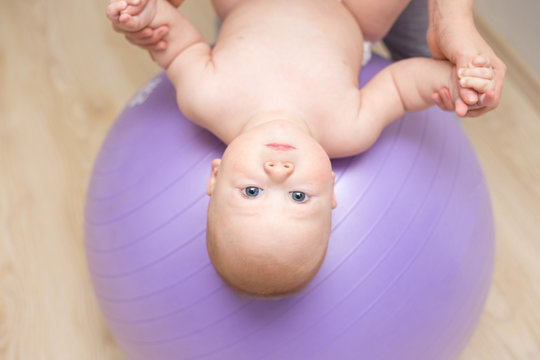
<point x="299" y="77"/>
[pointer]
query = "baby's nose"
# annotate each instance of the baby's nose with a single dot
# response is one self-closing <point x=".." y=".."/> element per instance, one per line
<point x="278" y="170"/>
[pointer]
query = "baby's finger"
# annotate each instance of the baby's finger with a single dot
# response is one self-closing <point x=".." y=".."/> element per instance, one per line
<point x="437" y="100"/>
<point x="479" y="72"/>
<point x="124" y="18"/>
<point x="135" y="7"/>
<point x="114" y="9"/>
<point x="480" y="85"/>
<point x="446" y="99"/>
<point x="469" y="96"/>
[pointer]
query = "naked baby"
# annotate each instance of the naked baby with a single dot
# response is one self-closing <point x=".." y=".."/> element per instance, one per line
<point x="280" y="89"/>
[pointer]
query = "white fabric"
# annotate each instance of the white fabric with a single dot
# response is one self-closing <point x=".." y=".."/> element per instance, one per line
<point x="367" y="52"/>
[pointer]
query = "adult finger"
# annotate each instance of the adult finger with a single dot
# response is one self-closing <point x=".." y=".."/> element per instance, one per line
<point x="477" y="112"/>
<point x="160" y="45"/>
<point x="148" y="36"/>
<point x="176" y="3"/>
<point x="500" y="72"/>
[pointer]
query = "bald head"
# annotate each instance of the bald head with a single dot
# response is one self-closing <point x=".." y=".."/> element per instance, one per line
<point x="271" y="201"/>
<point x="265" y="256"/>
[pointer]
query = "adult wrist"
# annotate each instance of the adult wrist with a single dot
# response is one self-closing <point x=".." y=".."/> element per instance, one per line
<point x="447" y="12"/>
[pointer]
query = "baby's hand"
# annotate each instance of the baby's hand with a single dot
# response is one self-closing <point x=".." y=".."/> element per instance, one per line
<point x="480" y="77"/>
<point x="471" y="88"/>
<point x="150" y="38"/>
<point x="130" y="16"/>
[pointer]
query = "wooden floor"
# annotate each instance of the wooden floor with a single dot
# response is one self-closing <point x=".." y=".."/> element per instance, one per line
<point x="64" y="76"/>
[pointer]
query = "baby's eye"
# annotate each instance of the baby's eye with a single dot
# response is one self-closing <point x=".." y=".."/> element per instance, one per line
<point x="251" y="191"/>
<point x="299" y="196"/>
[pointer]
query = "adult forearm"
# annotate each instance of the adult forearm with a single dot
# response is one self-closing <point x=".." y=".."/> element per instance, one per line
<point x="444" y="11"/>
<point x="452" y="35"/>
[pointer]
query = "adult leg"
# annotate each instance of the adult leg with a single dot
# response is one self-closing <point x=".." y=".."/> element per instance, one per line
<point x="407" y="37"/>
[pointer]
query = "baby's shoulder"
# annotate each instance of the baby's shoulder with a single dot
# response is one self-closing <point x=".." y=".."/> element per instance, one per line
<point x="350" y="130"/>
<point x="216" y="106"/>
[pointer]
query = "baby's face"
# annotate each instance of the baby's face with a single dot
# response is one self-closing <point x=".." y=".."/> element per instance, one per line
<point x="272" y="195"/>
<point x="278" y="169"/>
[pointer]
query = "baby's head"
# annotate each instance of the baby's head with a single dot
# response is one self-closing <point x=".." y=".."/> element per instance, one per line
<point x="270" y="209"/>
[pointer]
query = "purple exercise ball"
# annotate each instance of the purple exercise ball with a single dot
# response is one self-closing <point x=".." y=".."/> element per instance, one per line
<point x="406" y="275"/>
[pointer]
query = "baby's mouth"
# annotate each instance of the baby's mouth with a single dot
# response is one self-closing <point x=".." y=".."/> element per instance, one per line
<point x="280" y="147"/>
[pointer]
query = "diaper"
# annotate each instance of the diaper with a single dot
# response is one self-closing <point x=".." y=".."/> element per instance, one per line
<point x="367" y="52"/>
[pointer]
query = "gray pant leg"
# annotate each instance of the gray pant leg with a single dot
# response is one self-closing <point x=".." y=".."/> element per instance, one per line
<point x="407" y="37"/>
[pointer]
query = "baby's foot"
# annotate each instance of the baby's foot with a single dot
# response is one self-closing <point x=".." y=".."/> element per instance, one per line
<point x="131" y="15"/>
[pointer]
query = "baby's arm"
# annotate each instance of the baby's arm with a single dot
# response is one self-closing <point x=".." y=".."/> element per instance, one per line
<point x="186" y="57"/>
<point x="135" y="15"/>
<point x="477" y="79"/>
<point x="407" y="86"/>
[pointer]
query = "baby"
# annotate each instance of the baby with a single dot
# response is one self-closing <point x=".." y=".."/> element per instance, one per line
<point x="280" y="88"/>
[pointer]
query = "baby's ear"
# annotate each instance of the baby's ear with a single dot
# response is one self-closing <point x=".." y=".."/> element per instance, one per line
<point x="213" y="176"/>
<point x="334" y="202"/>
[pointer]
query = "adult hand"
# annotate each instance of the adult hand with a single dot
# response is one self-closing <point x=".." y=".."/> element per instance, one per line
<point x="459" y="42"/>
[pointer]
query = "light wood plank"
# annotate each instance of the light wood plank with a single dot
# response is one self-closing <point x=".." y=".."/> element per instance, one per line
<point x="64" y="76"/>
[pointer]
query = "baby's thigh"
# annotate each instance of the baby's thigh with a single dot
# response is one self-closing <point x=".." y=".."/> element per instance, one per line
<point x="376" y="17"/>
<point x="222" y="7"/>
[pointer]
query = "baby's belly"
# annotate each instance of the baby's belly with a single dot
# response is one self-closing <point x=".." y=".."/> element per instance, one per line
<point x="306" y="51"/>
